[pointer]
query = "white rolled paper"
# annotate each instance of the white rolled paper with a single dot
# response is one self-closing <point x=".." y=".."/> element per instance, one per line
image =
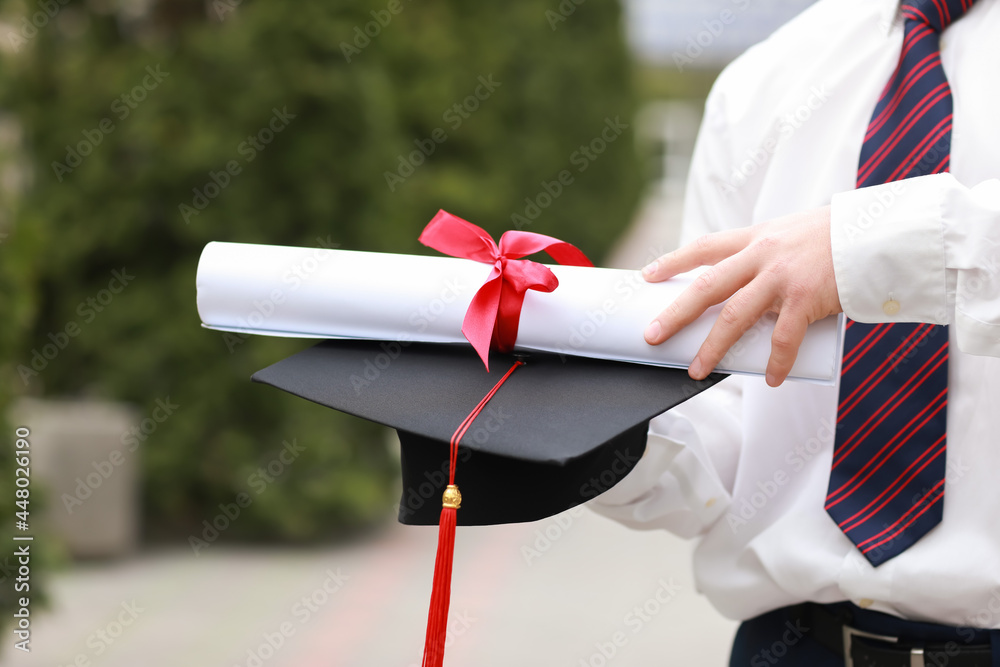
<point x="601" y="313"/>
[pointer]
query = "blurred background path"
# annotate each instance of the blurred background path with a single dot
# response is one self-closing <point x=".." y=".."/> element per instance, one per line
<point x="575" y="589"/>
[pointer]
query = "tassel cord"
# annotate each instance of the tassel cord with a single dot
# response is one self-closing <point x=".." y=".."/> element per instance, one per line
<point x="437" y="617"/>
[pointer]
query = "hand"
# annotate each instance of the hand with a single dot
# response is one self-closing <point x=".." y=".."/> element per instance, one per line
<point x="784" y="265"/>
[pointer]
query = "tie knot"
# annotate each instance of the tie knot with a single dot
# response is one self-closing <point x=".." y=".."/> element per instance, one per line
<point x="938" y="14"/>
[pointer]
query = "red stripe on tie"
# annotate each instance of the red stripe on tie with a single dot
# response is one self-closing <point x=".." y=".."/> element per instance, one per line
<point x="937" y="6"/>
<point x="861" y="433"/>
<point x="916" y="516"/>
<point x="909" y="40"/>
<point x="888" y="450"/>
<point x="902" y="480"/>
<point x="947" y="11"/>
<point x="847" y="447"/>
<point x="889" y="357"/>
<point x="862" y="347"/>
<point x="922" y="331"/>
<point x="880" y="327"/>
<point x="918" y="112"/>
<point x="920" y="108"/>
<point x="930" y="61"/>
<point x="847" y="492"/>
<point x="918" y="153"/>
<point x="942" y="166"/>
<point x="918" y="15"/>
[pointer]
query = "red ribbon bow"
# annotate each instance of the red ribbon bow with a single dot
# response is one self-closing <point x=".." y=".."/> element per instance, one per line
<point x="495" y="311"/>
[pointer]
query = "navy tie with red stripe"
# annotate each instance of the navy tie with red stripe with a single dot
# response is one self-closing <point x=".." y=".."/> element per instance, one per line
<point x="888" y="473"/>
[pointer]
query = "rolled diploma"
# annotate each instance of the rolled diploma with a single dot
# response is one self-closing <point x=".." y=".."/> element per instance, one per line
<point x="600" y="313"/>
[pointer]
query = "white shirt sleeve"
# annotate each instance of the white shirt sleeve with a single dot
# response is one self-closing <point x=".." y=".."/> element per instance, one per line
<point x="684" y="481"/>
<point x="925" y="249"/>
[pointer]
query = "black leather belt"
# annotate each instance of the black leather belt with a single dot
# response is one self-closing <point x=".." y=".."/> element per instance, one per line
<point x="865" y="649"/>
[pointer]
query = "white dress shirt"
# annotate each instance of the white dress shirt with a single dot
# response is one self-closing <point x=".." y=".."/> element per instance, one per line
<point x="743" y="467"/>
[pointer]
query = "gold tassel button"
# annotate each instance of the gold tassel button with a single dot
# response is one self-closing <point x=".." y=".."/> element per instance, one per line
<point x="452" y="497"/>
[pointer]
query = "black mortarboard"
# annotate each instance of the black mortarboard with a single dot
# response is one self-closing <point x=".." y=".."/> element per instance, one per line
<point x="560" y="431"/>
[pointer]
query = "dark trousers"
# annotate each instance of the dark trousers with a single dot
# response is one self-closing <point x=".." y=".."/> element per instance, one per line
<point x="780" y="637"/>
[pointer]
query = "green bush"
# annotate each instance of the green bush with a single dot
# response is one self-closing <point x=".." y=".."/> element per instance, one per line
<point x="164" y="103"/>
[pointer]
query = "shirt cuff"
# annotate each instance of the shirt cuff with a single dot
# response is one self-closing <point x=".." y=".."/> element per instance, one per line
<point x="889" y="251"/>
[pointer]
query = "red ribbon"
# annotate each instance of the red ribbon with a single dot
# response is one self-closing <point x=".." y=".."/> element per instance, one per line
<point x="495" y="312"/>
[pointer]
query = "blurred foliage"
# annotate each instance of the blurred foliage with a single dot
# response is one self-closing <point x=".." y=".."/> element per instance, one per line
<point x="130" y="116"/>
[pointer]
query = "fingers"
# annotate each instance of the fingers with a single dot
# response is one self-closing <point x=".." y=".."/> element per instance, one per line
<point x="740" y="313"/>
<point x="788" y="333"/>
<point x="714" y="285"/>
<point x="704" y="251"/>
<point x="783" y="265"/>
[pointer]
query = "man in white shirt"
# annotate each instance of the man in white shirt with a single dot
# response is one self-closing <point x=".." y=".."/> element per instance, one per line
<point x="745" y="466"/>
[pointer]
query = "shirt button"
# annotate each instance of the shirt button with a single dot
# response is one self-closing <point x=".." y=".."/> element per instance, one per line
<point x="864" y="603"/>
<point x="890" y="307"/>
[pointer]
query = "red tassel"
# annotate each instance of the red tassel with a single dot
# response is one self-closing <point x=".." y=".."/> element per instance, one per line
<point x="437" y="617"/>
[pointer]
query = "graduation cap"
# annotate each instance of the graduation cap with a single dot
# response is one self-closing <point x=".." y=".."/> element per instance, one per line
<point x="560" y="431"/>
<point x="530" y="437"/>
<point x="534" y="436"/>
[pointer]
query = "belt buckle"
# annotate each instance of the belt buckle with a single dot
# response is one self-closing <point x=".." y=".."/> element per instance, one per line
<point x="916" y="655"/>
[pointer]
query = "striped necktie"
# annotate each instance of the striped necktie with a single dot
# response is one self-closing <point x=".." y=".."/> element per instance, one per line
<point x="888" y="473"/>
